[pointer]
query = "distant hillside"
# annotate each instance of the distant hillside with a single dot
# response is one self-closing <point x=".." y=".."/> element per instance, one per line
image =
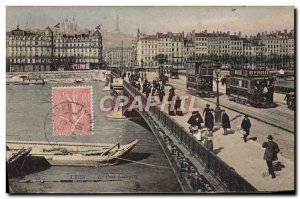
<point x="114" y="39"/>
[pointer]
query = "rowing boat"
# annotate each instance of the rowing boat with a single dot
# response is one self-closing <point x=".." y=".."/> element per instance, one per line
<point x="16" y="160"/>
<point x="75" y="154"/>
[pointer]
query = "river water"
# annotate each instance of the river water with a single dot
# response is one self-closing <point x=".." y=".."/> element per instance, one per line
<point x="27" y="107"/>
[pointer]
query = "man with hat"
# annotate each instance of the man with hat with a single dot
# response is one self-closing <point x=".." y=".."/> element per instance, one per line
<point x="206" y="117"/>
<point x="225" y="122"/>
<point x="271" y="150"/>
<point x="195" y="121"/>
<point x="246" y="125"/>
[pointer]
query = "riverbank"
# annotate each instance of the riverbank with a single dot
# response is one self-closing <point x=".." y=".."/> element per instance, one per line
<point x="54" y="76"/>
<point x="27" y="108"/>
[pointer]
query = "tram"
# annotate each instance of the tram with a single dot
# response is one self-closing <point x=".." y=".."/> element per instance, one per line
<point x="254" y="87"/>
<point x="199" y="78"/>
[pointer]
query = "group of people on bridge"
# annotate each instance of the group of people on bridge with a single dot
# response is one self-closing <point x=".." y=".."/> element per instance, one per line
<point x="155" y="88"/>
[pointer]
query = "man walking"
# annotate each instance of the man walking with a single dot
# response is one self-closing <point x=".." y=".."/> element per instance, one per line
<point x="271" y="150"/>
<point x="209" y="120"/>
<point x="225" y="122"/>
<point x="246" y="125"/>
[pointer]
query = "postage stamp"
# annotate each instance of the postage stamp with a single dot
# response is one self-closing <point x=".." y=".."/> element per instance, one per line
<point x="72" y="111"/>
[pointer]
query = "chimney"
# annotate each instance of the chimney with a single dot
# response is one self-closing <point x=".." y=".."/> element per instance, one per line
<point x="240" y="34"/>
<point x="205" y="31"/>
<point x="285" y="31"/>
<point x="234" y="33"/>
<point x="228" y="32"/>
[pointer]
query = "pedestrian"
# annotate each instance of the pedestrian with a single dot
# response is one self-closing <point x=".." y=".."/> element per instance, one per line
<point x="270" y="155"/>
<point x="209" y="120"/>
<point x="246" y="125"/>
<point x="148" y="89"/>
<point x="171" y="93"/>
<point x="225" y="122"/>
<point x="207" y="109"/>
<point x="194" y="122"/>
<point x="138" y="85"/>
<point x="153" y="90"/>
<point x="145" y="86"/>
<point x="161" y="95"/>
<point x="199" y="119"/>
<point x="208" y="142"/>
<point x="177" y="106"/>
<point x="171" y="108"/>
<point x="287" y="98"/>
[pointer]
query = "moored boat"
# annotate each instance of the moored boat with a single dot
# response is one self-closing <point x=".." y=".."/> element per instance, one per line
<point x="15" y="160"/>
<point x="75" y="154"/>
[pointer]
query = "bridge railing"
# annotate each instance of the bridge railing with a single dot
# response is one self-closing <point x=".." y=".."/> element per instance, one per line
<point x="213" y="164"/>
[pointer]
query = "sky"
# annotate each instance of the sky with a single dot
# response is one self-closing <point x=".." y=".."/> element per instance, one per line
<point x="152" y="19"/>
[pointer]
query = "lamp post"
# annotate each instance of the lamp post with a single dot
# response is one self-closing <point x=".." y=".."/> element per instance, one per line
<point x="142" y="77"/>
<point x="218" y="119"/>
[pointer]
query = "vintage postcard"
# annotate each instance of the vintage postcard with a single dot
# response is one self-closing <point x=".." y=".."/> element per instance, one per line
<point x="139" y="99"/>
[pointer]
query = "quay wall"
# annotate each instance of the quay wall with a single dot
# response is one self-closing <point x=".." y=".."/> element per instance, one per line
<point x="48" y="76"/>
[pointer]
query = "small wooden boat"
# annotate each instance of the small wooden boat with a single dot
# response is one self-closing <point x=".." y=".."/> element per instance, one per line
<point x="15" y="160"/>
<point x="75" y="154"/>
<point x="78" y="81"/>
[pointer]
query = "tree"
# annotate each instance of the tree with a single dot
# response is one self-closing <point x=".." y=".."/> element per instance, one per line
<point x="161" y="58"/>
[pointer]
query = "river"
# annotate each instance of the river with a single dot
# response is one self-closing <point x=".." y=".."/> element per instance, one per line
<point x="27" y="107"/>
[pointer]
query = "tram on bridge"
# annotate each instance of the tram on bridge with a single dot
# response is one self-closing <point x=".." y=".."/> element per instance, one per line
<point x="254" y="87"/>
<point x="199" y="77"/>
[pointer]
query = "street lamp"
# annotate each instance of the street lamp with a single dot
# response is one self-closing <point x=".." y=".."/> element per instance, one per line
<point x="218" y="109"/>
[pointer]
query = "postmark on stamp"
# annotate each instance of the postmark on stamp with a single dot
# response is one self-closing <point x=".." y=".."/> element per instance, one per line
<point x="72" y="111"/>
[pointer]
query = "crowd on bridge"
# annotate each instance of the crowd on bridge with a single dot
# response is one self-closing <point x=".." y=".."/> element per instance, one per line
<point x="205" y="132"/>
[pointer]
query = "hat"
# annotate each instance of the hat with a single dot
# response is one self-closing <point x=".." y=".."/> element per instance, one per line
<point x="270" y="137"/>
<point x="246" y="116"/>
<point x="207" y="105"/>
<point x="195" y="112"/>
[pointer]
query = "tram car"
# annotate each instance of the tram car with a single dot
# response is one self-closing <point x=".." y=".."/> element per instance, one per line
<point x="254" y="87"/>
<point x="199" y="78"/>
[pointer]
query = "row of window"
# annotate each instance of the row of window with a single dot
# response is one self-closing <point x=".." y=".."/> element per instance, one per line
<point x="239" y="83"/>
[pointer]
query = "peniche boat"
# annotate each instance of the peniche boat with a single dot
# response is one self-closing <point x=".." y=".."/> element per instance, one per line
<point x="78" y="81"/>
<point x="16" y="159"/>
<point x="75" y="154"/>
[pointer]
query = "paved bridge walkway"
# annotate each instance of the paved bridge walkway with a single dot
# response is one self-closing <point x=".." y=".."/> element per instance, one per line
<point x="246" y="159"/>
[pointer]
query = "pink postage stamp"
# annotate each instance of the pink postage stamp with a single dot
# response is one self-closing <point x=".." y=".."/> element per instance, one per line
<point x="72" y="110"/>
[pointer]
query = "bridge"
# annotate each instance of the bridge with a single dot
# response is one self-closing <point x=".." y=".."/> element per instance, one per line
<point x="196" y="168"/>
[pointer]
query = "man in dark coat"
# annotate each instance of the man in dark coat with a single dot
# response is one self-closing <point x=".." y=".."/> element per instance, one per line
<point x="195" y="122"/>
<point x="225" y="122"/>
<point x="209" y="120"/>
<point x="171" y="94"/>
<point x="246" y="125"/>
<point x="206" y="110"/>
<point x="177" y="106"/>
<point x="148" y="89"/>
<point x="271" y="150"/>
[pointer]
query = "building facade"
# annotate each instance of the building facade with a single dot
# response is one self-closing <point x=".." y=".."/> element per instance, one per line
<point x="27" y="51"/>
<point x="177" y="45"/>
<point x="119" y="57"/>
